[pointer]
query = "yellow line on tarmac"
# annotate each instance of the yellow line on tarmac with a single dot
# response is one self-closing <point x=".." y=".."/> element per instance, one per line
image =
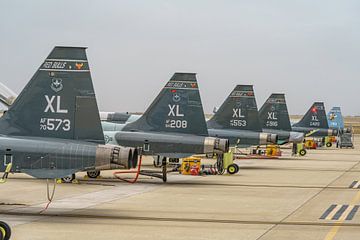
<point x="333" y="231"/>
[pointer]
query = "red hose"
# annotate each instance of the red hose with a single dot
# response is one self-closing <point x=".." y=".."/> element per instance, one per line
<point x="132" y="171"/>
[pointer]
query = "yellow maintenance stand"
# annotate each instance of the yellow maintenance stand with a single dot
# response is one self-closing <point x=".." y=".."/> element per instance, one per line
<point x="301" y="149"/>
<point x="228" y="163"/>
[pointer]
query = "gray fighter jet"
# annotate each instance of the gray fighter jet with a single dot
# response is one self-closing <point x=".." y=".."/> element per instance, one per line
<point x="53" y="128"/>
<point x="274" y="118"/>
<point x="237" y="120"/>
<point x="314" y="123"/>
<point x="118" y="117"/>
<point x="172" y="127"/>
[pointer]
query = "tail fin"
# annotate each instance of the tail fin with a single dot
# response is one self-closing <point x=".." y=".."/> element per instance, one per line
<point x="315" y="117"/>
<point x="58" y="102"/>
<point x="239" y="111"/>
<point x="274" y="113"/>
<point x="177" y="108"/>
<point x="335" y="118"/>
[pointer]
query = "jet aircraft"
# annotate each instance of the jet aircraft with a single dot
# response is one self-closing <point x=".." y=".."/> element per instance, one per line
<point x="314" y="123"/>
<point x="118" y="117"/>
<point x="173" y="126"/>
<point x="53" y="128"/>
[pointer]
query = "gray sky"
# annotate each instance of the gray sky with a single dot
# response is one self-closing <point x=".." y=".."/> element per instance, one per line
<point x="308" y="49"/>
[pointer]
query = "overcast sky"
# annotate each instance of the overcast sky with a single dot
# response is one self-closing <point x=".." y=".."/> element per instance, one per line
<point x="308" y="49"/>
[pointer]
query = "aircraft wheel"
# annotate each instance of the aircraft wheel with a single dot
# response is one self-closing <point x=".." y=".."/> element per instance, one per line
<point x="5" y="231"/>
<point x="68" y="179"/>
<point x="237" y="168"/>
<point x="328" y="144"/>
<point x="93" y="174"/>
<point x="232" y="168"/>
<point x="302" y="152"/>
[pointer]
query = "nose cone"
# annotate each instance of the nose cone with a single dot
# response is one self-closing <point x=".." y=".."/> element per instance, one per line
<point x="296" y="137"/>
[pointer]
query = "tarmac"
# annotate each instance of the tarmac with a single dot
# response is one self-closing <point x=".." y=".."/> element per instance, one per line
<point x="311" y="197"/>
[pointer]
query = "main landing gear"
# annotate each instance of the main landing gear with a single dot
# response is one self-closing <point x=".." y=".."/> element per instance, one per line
<point x="160" y="163"/>
<point x="68" y="179"/>
<point x="93" y="173"/>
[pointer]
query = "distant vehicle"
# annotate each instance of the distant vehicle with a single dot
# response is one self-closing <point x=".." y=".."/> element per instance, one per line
<point x="53" y="129"/>
<point x="314" y="123"/>
<point x="274" y="118"/>
<point x="238" y="120"/>
<point x="346" y="140"/>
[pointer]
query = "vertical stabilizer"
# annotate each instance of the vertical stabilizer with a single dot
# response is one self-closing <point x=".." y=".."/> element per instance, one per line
<point x="177" y="108"/>
<point x="58" y="102"/>
<point x="239" y="111"/>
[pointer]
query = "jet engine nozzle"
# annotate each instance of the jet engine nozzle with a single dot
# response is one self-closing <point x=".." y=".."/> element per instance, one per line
<point x="268" y="138"/>
<point x="212" y="145"/>
<point x="108" y="155"/>
<point x="222" y="144"/>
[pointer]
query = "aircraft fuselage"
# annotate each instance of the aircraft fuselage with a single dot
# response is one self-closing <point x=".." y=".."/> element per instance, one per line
<point x="286" y="136"/>
<point x="166" y="144"/>
<point x="316" y="132"/>
<point x="55" y="158"/>
<point x="242" y="138"/>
